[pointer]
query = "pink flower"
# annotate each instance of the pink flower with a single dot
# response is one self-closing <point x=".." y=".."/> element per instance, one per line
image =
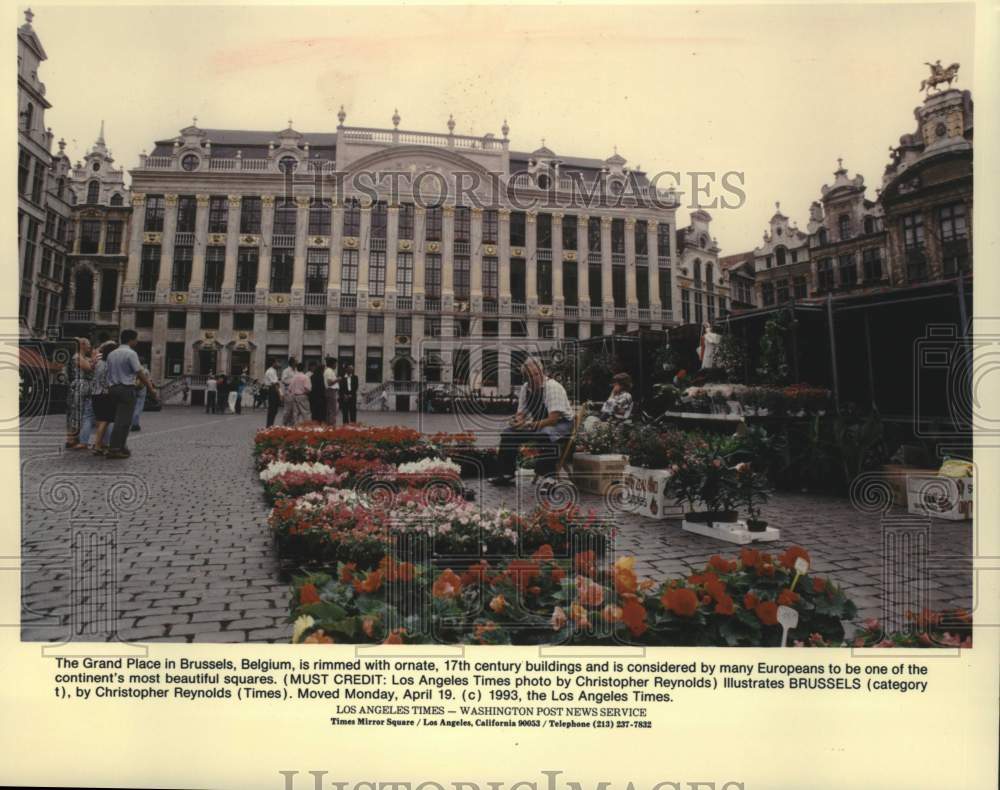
<point x="871" y="624"/>
<point x="559" y="618"/>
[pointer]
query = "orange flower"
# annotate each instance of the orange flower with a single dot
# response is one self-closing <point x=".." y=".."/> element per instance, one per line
<point x="475" y="573"/>
<point x="718" y="563"/>
<point x="788" y="598"/>
<point x="522" y="573"/>
<point x="682" y="602"/>
<point x="819" y="584"/>
<point x="749" y="557"/>
<point x="396" y="571"/>
<point x="612" y="613"/>
<point x="586" y="563"/>
<point x="308" y="594"/>
<point x="749" y="601"/>
<point x="544" y="553"/>
<point x="395" y="638"/>
<point x="318" y="637"/>
<point x="447" y="585"/>
<point x="371" y="583"/>
<point x="498" y="604"/>
<point x="634" y="616"/>
<point x="767" y="612"/>
<point x="347" y="572"/>
<point x="724" y="605"/>
<point x="791" y="554"/>
<point x="580" y="617"/>
<point x="558" y="619"/>
<point x="589" y="592"/>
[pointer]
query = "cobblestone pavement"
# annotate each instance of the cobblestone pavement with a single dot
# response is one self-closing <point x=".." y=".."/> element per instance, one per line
<point x="193" y="560"/>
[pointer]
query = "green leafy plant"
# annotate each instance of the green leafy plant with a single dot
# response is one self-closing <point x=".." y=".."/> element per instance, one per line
<point x="772" y="368"/>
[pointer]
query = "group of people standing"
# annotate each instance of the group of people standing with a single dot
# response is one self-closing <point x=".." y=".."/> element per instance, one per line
<point x="106" y="395"/>
<point x="225" y="392"/>
<point x="316" y="393"/>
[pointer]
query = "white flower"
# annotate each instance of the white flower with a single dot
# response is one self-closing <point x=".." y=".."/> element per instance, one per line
<point x="428" y="466"/>
<point x="283" y="467"/>
<point x="300" y="626"/>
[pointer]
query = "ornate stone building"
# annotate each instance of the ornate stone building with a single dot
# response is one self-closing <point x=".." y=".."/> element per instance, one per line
<point x="239" y="252"/>
<point x="101" y="220"/>
<point x="43" y="227"/>
<point x="918" y="230"/>
<point x="703" y="290"/>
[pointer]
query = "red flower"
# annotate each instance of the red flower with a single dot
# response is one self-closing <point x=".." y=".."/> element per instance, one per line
<point x="725" y="605"/>
<point x="308" y="594"/>
<point x="475" y="574"/>
<point x="719" y="564"/>
<point x="543" y="553"/>
<point x="788" y="598"/>
<point x="347" y="572"/>
<point x="558" y="574"/>
<point x="749" y="601"/>
<point x="793" y="553"/>
<point x="682" y="602"/>
<point x="447" y="585"/>
<point x="522" y="573"/>
<point x="585" y="562"/>
<point x="749" y="557"/>
<point x="370" y="584"/>
<point x="634" y="616"/>
<point x="767" y="612"/>
<point x="819" y="584"/>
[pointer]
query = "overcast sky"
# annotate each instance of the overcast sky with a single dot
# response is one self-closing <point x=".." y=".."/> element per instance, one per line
<point x="777" y="92"/>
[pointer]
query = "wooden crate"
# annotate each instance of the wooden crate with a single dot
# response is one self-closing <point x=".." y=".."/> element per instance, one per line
<point x="596" y="474"/>
<point x="646" y="495"/>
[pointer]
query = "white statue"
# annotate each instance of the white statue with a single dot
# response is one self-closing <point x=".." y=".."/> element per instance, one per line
<point x="709" y="343"/>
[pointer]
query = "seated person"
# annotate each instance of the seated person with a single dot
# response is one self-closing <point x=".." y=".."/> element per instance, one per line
<point x="618" y="406"/>
<point x="543" y="420"/>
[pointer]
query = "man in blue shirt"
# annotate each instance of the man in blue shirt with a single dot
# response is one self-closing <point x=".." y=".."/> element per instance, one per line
<point x="124" y="370"/>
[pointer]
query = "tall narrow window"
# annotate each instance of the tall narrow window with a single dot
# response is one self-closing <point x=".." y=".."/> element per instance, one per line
<point x="352" y="217"/>
<point x="641" y="237"/>
<point x="218" y="214"/>
<point x="844" y="227"/>
<point x="187" y="212"/>
<point x="569" y="238"/>
<point x="282" y="266"/>
<point x="376" y="274"/>
<point x="406" y="221"/>
<point x="518" y="236"/>
<point x="154" y="214"/>
<point x="23" y="170"/>
<point x="954" y="238"/>
<point x="824" y="274"/>
<point x="250" y="213"/>
<point x="90" y="236"/>
<point x="594" y="234"/>
<point x="215" y="267"/>
<point x="463" y="223"/>
<point x="767" y="292"/>
<point x="544" y="279"/>
<point x="618" y="293"/>
<point x="666" y="302"/>
<point x="181" y="276"/>
<point x="432" y="276"/>
<point x="285" y="215"/>
<point x="871" y="260"/>
<point x="642" y="286"/>
<point x="663" y="240"/>
<point x="491" y="279"/>
<point x="113" y="237"/>
<point x="349" y="273"/>
<point x="913" y="242"/>
<point x="618" y="236"/>
<point x="491" y="226"/>
<point x="518" y="280"/>
<point x="320" y="217"/>
<point x="379" y="220"/>
<point x="247" y="263"/>
<point x="685" y="306"/>
<point x="317" y="270"/>
<point x="570" y="284"/>
<point x="543" y="232"/>
<point x="433" y="221"/>
<point x="94" y="191"/>
<point x="462" y="278"/>
<point x="149" y="267"/>
<point x="404" y="274"/>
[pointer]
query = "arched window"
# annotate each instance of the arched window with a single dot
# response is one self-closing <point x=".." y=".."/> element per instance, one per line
<point x="844" y="227"/>
<point x="116" y="199"/>
<point x="697" y="272"/>
<point x="709" y="280"/>
<point x="779" y="254"/>
<point x="93" y="192"/>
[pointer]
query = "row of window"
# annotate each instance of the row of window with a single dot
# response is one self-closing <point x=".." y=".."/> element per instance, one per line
<point x="318" y="272"/>
<point x="31" y="174"/>
<point x="90" y="236"/>
<point x="704" y="305"/>
<point x="321" y="217"/>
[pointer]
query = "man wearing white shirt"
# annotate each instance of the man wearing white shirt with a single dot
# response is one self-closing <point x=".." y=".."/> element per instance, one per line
<point x="543" y="420"/>
<point x="272" y="383"/>
<point x="211" y="391"/>
<point x="286" y="377"/>
<point x="332" y="386"/>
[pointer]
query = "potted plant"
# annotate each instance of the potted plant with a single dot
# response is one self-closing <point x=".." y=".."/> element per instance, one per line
<point x="646" y="476"/>
<point x="599" y="462"/>
<point x="753" y="491"/>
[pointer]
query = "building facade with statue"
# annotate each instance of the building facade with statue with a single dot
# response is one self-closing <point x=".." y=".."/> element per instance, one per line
<point x="244" y="247"/>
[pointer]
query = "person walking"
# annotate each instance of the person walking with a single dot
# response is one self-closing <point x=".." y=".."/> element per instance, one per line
<point x="124" y="370"/>
<point x="140" y="404"/>
<point x="272" y="385"/>
<point x="331" y="388"/>
<point x="317" y="395"/>
<point x="222" y="401"/>
<point x="211" y="392"/>
<point x="79" y="409"/>
<point x="286" y="378"/>
<point x="297" y="396"/>
<point x="241" y="386"/>
<point x="349" y="395"/>
<point x="104" y="407"/>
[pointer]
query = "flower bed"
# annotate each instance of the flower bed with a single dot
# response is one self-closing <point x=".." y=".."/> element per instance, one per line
<point x="325" y="444"/>
<point x="950" y="628"/>
<point x="545" y="599"/>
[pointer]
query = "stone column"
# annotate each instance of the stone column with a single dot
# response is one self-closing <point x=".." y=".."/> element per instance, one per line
<point x="531" y="260"/>
<point x="266" y="230"/>
<point x="557" y="262"/>
<point x="654" y="267"/>
<point x="232" y="247"/>
<point x="301" y="231"/>
<point x="365" y="239"/>
<point x="476" y="259"/>
<point x="447" y="256"/>
<point x="167" y="250"/>
<point x="606" y="292"/>
<point x="200" y="242"/>
<point x="504" y="250"/>
<point x="583" y="266"/>
<point x="391" y="250"/>
<point x="631" y="297"/>
<point x="419" y="232"/>
<point x="336" y="253"/>
<point x="131" y="279"/>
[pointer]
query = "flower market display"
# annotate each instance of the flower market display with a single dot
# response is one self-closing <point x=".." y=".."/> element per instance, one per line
<point x="382" y="547"/>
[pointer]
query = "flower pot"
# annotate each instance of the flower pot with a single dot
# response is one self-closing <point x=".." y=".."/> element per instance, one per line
<point x="755" y="525"/>
<point x="645" y="493"/>
<point x="597" y="473"/>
